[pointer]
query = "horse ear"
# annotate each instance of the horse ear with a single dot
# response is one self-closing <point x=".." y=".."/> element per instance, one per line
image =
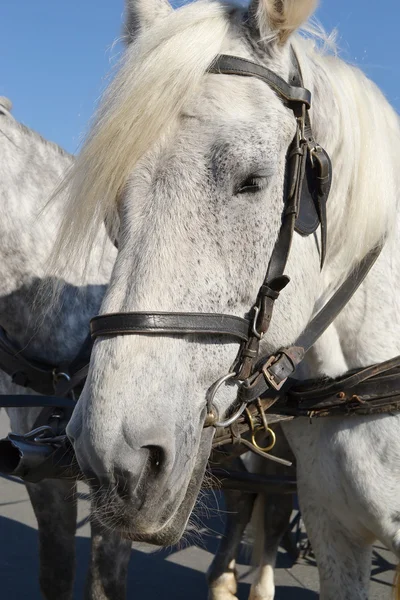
<point x="280" y="17"/>
<point x="140" y="14"/>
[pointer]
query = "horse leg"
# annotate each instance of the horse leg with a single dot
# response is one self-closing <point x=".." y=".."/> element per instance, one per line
<point x="343" y="557"/>
<point x="109" y="563"/>
<point x="54" y="504"/>
<point x="273" y="524"/>
<point x="349" y="496"/>
<point x="221" y="575"/>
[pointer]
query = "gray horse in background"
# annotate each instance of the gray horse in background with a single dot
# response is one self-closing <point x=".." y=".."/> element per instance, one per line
<point x="30" y="169"/>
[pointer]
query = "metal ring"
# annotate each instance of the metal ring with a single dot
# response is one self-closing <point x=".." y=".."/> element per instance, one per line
<point x="266" y="448"/>
<point x="231" y="419"/>
<point x="57" y="375"/>
<point x="211" y="393"/>
<point x="254" y="431"/>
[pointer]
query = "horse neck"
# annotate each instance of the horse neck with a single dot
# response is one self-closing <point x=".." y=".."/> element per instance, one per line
<point x="360" y="130"/>
<point x="29" y="171"/>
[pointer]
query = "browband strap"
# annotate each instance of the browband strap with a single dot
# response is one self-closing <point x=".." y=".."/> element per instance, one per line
<point x="233" y="65"/>
<point x="170" y="323"/>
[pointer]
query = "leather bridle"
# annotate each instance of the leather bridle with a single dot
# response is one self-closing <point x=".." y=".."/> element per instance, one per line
<point x="263" y="381"/>
<point x="308" y="182"/>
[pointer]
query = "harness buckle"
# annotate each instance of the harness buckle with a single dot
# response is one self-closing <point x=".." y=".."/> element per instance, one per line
<point x="271" y="377"/>
<point x="259" y="335"/>
<point x="59" y="375"/>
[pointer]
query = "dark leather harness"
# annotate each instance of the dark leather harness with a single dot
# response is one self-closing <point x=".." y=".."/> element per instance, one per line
<point x="262" y="382"/>
<point x="269" y="380"/>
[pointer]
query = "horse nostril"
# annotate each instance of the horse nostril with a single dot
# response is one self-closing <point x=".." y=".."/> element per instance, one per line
<point x="156" y="458"/>
<point x="152" y="460"/>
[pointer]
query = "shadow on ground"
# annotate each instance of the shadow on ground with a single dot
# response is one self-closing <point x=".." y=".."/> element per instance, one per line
<point x="151" y="576"/>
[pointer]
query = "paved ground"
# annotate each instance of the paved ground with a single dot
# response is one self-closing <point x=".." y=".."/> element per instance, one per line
<point x="177" y="574"/>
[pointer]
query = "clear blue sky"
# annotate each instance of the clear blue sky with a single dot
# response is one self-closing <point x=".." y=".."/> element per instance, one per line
<point x="55" y="55"/>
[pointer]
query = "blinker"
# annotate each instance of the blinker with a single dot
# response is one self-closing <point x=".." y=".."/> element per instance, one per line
<point x="314" y="196"/>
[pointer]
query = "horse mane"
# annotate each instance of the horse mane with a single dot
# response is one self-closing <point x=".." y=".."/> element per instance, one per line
<point x="361" y="131"/>
<point x="28" y="132"/>
<point x="159" y="73"/>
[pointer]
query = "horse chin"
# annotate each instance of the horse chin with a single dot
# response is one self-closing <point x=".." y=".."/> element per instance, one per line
<point x="171" y="524"/>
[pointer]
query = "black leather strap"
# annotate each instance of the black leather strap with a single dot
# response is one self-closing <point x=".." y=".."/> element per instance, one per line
<point x="338" y="301"/>
<point x="76" y="381"/>
<point x="27" y="373"/>
<point x="32" y="401"/>
<point x="382" y="380"/>
<point x="169" y="323"/>
<point x="272" y="372"/>
<point x="40" y="377"/>
<point x="233" y="65"/>
<point x="57" y="385"/>
<point x="372" y="390"/>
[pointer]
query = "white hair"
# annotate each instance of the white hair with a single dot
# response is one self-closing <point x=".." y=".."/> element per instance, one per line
<point x="160" y="72"/>
<point x="362" y="131"/>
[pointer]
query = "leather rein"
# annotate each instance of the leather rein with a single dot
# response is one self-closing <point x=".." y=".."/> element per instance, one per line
<point x="262" y="381"/>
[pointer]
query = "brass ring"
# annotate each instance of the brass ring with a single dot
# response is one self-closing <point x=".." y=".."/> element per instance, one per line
<point x="266" y="448"/>
<point x="268" y="430"/>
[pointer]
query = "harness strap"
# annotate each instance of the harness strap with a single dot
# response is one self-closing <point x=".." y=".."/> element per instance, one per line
<point x="170" y="323"/>
<point x="273" y="372"/>
<point x="52" y="382"/>
<point x="65" y="387"/>
<point x="32" y="401"/>
<point x="233" y="65"/>
<point x="387" y="371"/>
<point x="27" y="373"/>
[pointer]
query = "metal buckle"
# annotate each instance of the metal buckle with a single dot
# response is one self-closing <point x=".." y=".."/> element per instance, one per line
<point x="312" y="152"/>
<point x="301" y="124"/>
<point x="58" y="375"/>
<point x="269" y="376"/>
<point x="254" y="324"/>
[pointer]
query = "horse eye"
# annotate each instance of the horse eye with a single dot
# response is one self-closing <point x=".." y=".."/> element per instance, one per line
<point x="251" y="185"/>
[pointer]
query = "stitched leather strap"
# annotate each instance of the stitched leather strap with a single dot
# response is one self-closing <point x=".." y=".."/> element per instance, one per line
<point x="365" y="379"/>
<point x="233" y="65"/>
<point x="372" y="390"/>
<point x="169" y="323"/>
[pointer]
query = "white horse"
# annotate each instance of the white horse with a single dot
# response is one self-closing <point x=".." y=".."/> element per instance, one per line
<point x="188" y="169"/>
